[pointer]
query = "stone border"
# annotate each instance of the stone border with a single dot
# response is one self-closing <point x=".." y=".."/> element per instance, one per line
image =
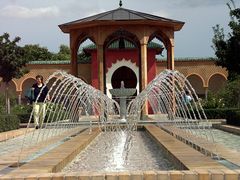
<point x="181" y="153"/>
<point x="228" y="128"/>
<point x="14" y="133"/>
<point x="42" y="166"/>
<point x="56" y="159"/>
<point x="145" y="175"/>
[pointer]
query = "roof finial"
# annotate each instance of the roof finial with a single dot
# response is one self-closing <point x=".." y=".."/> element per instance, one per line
<point x="120" y="3"/>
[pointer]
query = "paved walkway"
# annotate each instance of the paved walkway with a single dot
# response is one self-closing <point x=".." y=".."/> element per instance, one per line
<point x="57" y="158"/>
<point x="14" y="133"/>
<point x="15" y="153"/>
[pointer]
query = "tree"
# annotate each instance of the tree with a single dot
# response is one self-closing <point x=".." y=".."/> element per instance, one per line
<point x="33" y="52"/>
<point x="63" y="54"/>
<point x="64" y="49"/>
<point x="231" y="94"/>
<point x="12" y="63"/>
<point x="228" y="50"/>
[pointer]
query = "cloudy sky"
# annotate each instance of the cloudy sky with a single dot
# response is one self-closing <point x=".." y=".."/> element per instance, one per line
<point x="36" y="21"/>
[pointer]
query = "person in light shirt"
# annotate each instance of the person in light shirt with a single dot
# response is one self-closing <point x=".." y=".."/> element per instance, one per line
<point x="188" y="98"/>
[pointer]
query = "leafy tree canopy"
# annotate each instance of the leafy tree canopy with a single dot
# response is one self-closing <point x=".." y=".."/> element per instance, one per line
<point x="227" y="49"/>
<point x="33" y="52"/>
<point x="64" y="49"/>
<point x="12" y="63"/>
<point x="63" y="54"/>
<point x="231" y="93"/>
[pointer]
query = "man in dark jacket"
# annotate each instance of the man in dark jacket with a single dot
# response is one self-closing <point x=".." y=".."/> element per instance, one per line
<point x="40" y="93"/>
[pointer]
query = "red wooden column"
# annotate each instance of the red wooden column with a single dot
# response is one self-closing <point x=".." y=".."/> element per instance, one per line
<point x="100" y="52"/>
<point x="73" y="47"/>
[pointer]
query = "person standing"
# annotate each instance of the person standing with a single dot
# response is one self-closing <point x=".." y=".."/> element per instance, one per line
<point x="39" y="107"/>
<point x="188" y="98"/>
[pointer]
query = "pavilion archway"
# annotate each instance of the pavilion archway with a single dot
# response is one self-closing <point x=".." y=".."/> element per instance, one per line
<point x="168" y="41"/>
<point x="76" y="40"/>
<point x="129" y="48"/>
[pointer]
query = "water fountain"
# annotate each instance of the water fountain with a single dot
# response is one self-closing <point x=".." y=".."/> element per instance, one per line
<point x="165" y="94"/>
<point x="70" y="97"/>
<point x="123" y="93"/>
<point x="76" y="106"/>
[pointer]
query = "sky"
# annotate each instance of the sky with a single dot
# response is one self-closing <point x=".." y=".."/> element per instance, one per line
<point x="36" y="21"/>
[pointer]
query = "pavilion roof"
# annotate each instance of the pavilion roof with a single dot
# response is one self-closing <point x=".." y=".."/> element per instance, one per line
<point x="122" y="14"/>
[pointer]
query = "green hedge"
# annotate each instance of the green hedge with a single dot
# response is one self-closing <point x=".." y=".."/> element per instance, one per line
<point x="23" y="112"/>
<point x="233" y="118"/>
<point x="232" y="115"/>
<point x="8" y="122"/>
<point x="24" y="118"/>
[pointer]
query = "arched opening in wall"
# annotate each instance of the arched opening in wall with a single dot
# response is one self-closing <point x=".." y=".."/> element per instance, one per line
<point x="87" y="55"/>
<point x="129" y="78"/>
<point x="11" y="91"/>
<point x="26" y="87"/>
<point x="216" y="83"/>
<point x="197" y="85"/>
<point x="126" y="75"/>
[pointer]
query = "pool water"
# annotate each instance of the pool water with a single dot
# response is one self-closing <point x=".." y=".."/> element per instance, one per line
<point x="121" y="151"/>
<point x="229" y="140"/>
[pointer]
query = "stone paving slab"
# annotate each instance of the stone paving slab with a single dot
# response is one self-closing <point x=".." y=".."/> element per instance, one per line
<point x="229" y="128"/>
<point x="14" y="133"/>
<point x="12" y="158"/>
<point x="145" y="175"/>
<point x="56" y="159"/>
<point x="226" y="153"/>
<point x="188" y="156"/>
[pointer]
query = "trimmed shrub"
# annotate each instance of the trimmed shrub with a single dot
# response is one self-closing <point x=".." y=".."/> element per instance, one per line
<point x="55" y="111"/>
<point x="8" y="122"/>
<point x="23" y="112"/>
<point x="232" y="115"/>
<point x="216" y="113"/>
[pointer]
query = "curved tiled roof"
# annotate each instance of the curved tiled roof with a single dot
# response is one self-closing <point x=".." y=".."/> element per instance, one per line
<point x="128" y="45"/>
<point x="50" y="62"/>
<point x="87" y="60"/>
<point x="188" y="59"/>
